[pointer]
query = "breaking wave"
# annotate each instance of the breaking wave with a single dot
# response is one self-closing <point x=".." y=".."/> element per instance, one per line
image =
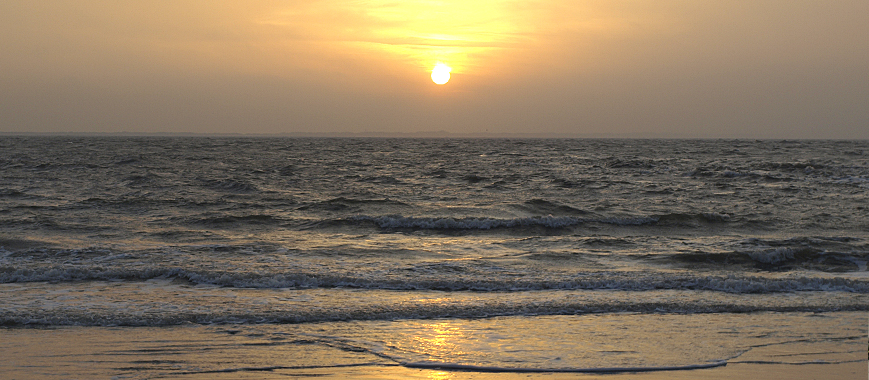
<point x="624" y="281"/>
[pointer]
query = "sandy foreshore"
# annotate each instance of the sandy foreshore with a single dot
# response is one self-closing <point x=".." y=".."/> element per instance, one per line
<point x="755" y="346"/>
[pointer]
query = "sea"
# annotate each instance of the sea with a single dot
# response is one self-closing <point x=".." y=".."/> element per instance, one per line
<point x="166" y="257"/>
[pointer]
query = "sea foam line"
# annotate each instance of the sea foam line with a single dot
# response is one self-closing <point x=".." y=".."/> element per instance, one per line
<point x="628" y="281"/>
<point x="475" y="368"/>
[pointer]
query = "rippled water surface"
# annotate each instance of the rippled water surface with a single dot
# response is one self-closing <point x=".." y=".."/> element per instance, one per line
<point x="166" y="231"/>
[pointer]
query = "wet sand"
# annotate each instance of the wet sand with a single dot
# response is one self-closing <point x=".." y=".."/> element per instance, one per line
<point x="767" y="345"/>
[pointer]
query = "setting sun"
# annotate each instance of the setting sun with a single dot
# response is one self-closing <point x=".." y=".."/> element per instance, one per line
<point x="441" y="73"/>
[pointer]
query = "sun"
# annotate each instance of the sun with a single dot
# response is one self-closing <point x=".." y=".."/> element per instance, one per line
<point x="441" y="73"/>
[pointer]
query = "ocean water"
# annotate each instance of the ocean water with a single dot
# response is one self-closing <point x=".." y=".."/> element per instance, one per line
<point x="474" y="254"/>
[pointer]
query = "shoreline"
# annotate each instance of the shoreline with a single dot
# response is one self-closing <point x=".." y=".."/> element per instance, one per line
<point x="771" y="345"/>
<point x="855" y="370"/>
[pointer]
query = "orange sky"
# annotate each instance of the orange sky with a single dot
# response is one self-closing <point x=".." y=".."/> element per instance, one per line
<point x="763" y="68"/>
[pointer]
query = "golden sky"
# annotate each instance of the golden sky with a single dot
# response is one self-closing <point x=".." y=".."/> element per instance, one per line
<point x="671" y="68"/>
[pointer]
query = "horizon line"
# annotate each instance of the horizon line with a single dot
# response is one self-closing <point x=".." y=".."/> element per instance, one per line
<point x="424" y="134"/>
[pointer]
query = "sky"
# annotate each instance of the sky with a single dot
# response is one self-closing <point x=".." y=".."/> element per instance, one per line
<point x="602" y="68"/>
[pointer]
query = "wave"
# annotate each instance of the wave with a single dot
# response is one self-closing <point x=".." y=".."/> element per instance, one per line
<point x="145" y="181"/>
<point x="859" y="181"/>
<point x="824" y="253"/>
<point x="11" y="193"/>
<point x="230" y="185"/>
<point x="548" y="221"/>
<point x="623" y="281"/>
<point x="636" y="163"/>
<point x="779" y="259"/>
<point x="100" y="305"/>
<point x="829" y="255"/>
<point x="344" y="204"/>
<point x="381" y="180"/>
<point x="544" y="207"/>
<point x="226" y="219"/>
<point x="470" y="223"/>
<point x="682" y="218"/>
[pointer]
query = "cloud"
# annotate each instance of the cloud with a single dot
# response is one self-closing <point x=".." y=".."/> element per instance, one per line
<point x="674" y="67"/>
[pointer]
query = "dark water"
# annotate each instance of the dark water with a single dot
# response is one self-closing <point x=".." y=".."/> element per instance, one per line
<point x="167" y="231"/>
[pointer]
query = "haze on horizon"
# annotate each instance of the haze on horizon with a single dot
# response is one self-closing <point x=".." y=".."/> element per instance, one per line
<point x="670" y="68"/>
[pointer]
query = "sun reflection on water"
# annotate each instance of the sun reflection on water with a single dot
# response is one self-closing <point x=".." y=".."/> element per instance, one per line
<point x="439" y="340"/>
<point x="440" y="375"/>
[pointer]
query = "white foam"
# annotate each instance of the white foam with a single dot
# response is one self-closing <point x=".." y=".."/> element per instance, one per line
<point x="714" y="216"/>
<point x="462" y="278"/>
<point x="773" y="256"/>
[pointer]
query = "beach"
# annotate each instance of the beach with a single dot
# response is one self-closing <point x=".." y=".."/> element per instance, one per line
<point x="767" y="345"/>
